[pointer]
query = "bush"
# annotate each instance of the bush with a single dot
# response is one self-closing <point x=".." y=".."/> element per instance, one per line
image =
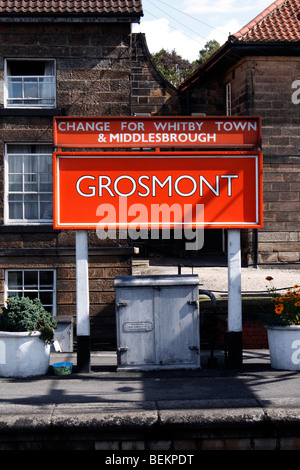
<point x="24" y="314"/>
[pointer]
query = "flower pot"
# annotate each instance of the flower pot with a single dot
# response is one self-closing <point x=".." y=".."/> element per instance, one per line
<point x="23" y="354"/>
<point x="284" y="347"/>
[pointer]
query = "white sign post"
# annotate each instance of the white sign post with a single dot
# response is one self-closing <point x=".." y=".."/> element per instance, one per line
<point x="234" y="335"/>
<point x="82" y="302"/>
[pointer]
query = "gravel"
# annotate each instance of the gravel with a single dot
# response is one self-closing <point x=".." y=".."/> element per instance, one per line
<point x="215" y="278"/>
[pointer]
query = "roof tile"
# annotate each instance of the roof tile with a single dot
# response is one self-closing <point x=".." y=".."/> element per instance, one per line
<point x="59" y="7"/>
<point x="279" y="22"/>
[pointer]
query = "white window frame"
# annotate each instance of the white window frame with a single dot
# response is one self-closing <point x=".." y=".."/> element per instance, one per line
<point x="228" y="98"/>
<point x="38" y="290"/>
<point x="23" y="221"/>
<point x="37" y="105"/>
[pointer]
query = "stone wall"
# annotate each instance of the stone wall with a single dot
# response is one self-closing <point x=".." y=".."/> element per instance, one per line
<point x="151" y="93"/>
<point x="262" y="86"/>
<point x="272" y="81"/>
<point x="101" y="69"/>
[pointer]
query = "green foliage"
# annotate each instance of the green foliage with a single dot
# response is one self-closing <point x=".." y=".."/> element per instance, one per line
<point x="209" y="48"/>
<point x="24" y="314"/>
<point x="176" y="69"/>
<point x="172" y="66"/>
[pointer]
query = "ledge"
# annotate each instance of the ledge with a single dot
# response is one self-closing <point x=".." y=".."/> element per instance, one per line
<point x="28" y="229"/>
<point x="30" y="112"/>
<point x="67" y="251"/>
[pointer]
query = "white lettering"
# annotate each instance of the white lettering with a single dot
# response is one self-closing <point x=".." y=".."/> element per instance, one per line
<point x="180" y="459"/>
<point x="160" y="215"/>
<point x="115" y="460"/>
<point x="89" y="187"/>
<point x="81" y="126"/>
<point x="243" y="126"/>
<point x="132" y="126"/>
<point x="121" y="178"/>
<point x="158" y="138"/>
<point x="296" y="354"/>
<point x="107" y="229"/>
<point x="296" y="94"/>
<point x="106" y="186"/>
<point x="215" y="191"/>
<point x="156" y="180"/>
<point x="177" y="126"/>
<point x="229" y="177"/>
<point x="186" y="177"/>
<point x="146" y="185"/>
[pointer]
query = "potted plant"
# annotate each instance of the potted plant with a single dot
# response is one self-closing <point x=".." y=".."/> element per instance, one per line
<point x="283" y="329"/>
<point x="26" y="333"/>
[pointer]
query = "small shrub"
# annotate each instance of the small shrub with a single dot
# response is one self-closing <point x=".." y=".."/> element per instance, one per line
<point x="24" y="314"/>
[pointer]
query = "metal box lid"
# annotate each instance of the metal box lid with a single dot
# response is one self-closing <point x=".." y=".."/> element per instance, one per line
<point x="157" y="280"/>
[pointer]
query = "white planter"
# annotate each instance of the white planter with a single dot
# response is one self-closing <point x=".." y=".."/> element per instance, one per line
<point x="284" y="347"/>
<point x="23" y="354"/>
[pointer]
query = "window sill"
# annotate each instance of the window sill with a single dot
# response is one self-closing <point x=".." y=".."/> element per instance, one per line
<point x="27" y="228"/>
<point x="30" y="112"/>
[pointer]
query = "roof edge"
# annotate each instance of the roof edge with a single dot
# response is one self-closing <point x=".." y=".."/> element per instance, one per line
<point x="215" y="57"/>
<point x="239" y="49"/>
<point x="72" y="18"/>
<point x="245" y="29"/>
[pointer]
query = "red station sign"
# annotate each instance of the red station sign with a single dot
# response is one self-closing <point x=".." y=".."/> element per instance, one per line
<point x="123" y="132"/>
<point x="157" y="189"/>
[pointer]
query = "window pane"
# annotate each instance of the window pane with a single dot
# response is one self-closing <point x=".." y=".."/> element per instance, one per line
<point x="14" y="293"/>
<point x="30" y="279"/>
<point x="31" y="295"/>
<point x="31" y="83"/>
<point x="46" y="279"/>
<point x="31" y="88"/>
<point x="30" y="183"/>
<point x="15" y="183"/>
<point x="31" y="206"/>
<point x="46" y="298"/>
<point x="45" y="163"/>
<point x="15" y="210"/>
<point x="46" y="210"/>
<point x="15" y="198"/>
<point x="15" y="164"/>
<point x="48" y="308"/>
<point x="14" y="88"/>
<point x="46" y="185"/>
<point x="30" y="163"/>
<point x="14" y="280"/>
<point x="32" y="284"/>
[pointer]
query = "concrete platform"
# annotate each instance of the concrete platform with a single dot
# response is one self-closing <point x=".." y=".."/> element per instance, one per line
<point x="166" y="411"/>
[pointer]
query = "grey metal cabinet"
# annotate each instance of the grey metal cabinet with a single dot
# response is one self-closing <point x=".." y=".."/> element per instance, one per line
<point x="157" y="321"/>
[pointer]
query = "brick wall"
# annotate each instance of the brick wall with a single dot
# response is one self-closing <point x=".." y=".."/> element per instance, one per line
<point x="263" y="86"/>
<point x="272" y="83"/>
<point x="206" y="96"/>
<point x="92" y="60"/>
<point x="254" y="335"/>
<point x="101" y="69"/>
<point x="280" y="239"/>
<point x="150" y="92"/>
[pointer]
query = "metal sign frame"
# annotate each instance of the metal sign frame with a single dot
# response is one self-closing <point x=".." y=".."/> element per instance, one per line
<point x="180" y="132"/>
<point x="236" y="203"/>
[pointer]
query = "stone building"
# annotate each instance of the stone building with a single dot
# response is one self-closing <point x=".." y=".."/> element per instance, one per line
<point x="257" y="72"/>
<point x="64" y="58"/>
